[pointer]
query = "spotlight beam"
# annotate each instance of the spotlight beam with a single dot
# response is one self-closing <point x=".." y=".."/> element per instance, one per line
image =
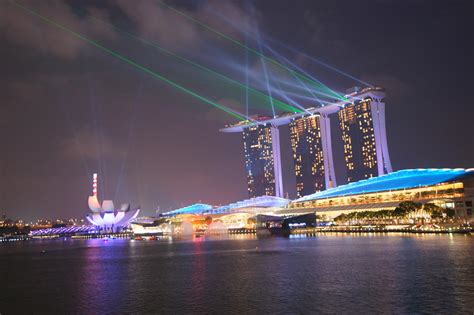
<point x="294" y="50"/>
<point x="115" y="54"/>
<point x="238" y="43"/>
<point x="289" y="83"/>
<point x="285" y="60"/>
<point x="277" y="102"/>
<point x="264" y="65"/>
<point x="290" y="63"/>
<point x="319" y="62"/>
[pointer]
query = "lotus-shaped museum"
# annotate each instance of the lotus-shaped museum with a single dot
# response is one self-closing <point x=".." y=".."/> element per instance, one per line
<point x="106" y="217"/>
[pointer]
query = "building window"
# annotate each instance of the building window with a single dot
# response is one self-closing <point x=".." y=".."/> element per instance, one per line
<point x="469" y="212"/>
<point x="468" y="203"/>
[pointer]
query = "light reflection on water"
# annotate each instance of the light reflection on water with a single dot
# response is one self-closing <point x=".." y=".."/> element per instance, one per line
<point x="356" y="273"/>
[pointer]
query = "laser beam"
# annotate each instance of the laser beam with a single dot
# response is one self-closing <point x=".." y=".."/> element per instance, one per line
<point x="293" y="50"/>
<point x="278" y="103"/>
<point x="117" y="55"/>
<point x="238" y="43"/>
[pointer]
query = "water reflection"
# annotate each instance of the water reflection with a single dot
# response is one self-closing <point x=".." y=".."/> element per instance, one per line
<point x="344" y="273"/>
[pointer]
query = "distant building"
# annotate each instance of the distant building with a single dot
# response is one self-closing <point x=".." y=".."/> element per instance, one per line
<point x="262" y="160"/>
<point x="308" y="141"/>
<point x="106" y="217"/>
<point x="365" y="142"/>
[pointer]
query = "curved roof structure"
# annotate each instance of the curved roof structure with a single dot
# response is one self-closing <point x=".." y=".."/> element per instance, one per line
<point x="108" y="205"/>
<point x="258" y="202"/>
<point x="262" y="201"/>
<point x="404" y="179"/>
<point x="196" y="208"/>
<point x="116" y="219"/>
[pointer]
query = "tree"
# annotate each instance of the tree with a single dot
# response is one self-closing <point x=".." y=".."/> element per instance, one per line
<point x="433" y="210"/>
<point x="450" y="213"/>
<point x="410" y="206"/>
<point x="341" y="218"/>
<point x="400" y="212"/>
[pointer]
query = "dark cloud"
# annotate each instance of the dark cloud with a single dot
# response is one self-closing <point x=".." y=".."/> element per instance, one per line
<point x="157" y="23"/>
<point x="29" y="32"/>
<point x="68" y="109"/>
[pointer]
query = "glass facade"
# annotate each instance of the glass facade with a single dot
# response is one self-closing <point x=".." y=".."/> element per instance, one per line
<point x="306" y="143"/>
<point x="434" y="192"/>
<point x="358" y="137"/>
<point x="259" y="163"/>
<point x="404" y="179"/>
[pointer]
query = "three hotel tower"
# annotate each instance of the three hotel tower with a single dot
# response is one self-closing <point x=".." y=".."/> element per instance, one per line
<point x="362" y="123"/>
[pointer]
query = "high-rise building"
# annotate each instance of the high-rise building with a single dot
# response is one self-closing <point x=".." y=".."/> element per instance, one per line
<point x="262" y="160"/>
<point x="305" y="137"/>
<point x="311" y="142"/>
<point x="364" y="138"/>
<point x="362" y="120"/>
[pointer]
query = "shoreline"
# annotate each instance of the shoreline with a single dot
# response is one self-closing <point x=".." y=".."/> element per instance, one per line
<point x="278" y="233"/>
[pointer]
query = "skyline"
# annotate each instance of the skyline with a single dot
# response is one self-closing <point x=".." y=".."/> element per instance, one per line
<point x="52" y="94"/>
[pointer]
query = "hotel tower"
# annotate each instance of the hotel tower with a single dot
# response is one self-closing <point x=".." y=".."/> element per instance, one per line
<point x="310" y="138"/>
<point x="262" y="160"/>
<point x="365" y="142"/>
<point x="362" y="122"/>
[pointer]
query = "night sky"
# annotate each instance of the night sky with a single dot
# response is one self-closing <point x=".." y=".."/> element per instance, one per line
<point x="68" y="109"/>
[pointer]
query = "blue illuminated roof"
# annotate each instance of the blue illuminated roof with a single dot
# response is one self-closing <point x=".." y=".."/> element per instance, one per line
<point x="196" y="208"/>
<point x="261" y="201"/>
<point x="403" y="179"/>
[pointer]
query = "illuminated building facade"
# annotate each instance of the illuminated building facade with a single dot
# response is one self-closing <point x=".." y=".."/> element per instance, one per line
<point x="314" y="170"/>
<point x="448" y="188"/>
<point x="365" y="143"/>
<point x="197" y="208"/>
<point x="262" y="160"/>
<point x="362" y="120"/>
<point x="105" y="216"/>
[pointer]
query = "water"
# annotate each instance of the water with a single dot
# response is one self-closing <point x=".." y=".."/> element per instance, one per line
<point x="326" y="274"/>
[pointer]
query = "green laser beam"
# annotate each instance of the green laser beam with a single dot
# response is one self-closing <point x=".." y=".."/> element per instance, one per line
<point x="128" y="61"/>
<point x="238" y="43"/>
<point x="280" y="104"/>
